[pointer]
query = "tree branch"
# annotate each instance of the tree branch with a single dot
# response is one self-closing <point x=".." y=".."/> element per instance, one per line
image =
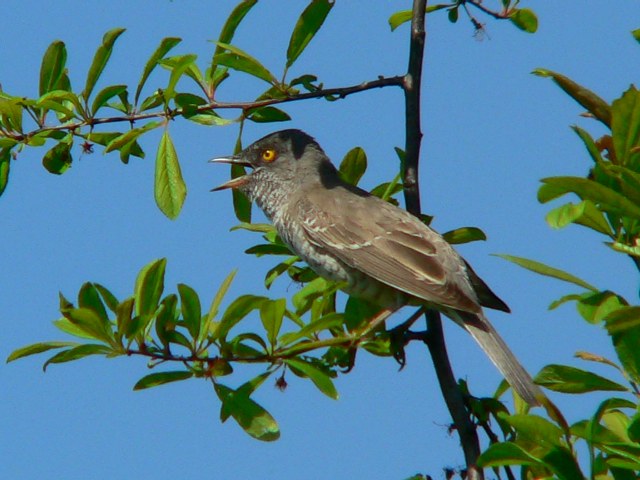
<point x="450" y="391"/>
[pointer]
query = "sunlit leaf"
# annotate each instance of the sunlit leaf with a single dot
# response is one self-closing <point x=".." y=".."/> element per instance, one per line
<point x="160" y="378"/>
<point x="149" y="287"/>
<point x="179" y="66"/>
<point x="238" y="310"/>
<point x="76" y="353"/>
<point x="268" y="114"/>
<point x="37" y="348"/>
<point x="625" y="128"/>
<point x="626" y="341"/>
<point x="100" y="60"/>
<point x="129" y="137"/>
<point x="306" y="27"/>
<point x="217" y="299"/>
<point x="595" y="307"/>
<point x="585" y="97"/>
<point x="89" y="297"/>
<point x="535" y="429"/>
<point x="548" y="271"/>
<point x="253" y="419"/>
<point x="584" y="213"/>
<point x="319" y="378"/>
<point x="566" y="379"/>
<point x="238" y="59"/>
<point x="165" y="46"/>
<point x="506" y="453"/>
<point x="271" y="314"/>
<point x="623" y="318"/>
<point x="169" y="187"/>
<point x="52" y="67"/>
<point x="524" y="19"/>
<point x="464" y="235"/>
<point x="353" y="166"/>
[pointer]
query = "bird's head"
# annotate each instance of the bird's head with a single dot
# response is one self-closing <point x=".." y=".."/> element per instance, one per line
<point x="283" y="154"/>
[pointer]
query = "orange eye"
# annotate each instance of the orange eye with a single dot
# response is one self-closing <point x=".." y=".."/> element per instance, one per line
<point x="269" y="155"/>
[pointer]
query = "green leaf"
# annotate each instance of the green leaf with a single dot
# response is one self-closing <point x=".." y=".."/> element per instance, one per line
<point x="149" y="287"/>
<point x="239" y="308"/>
<point x="220" y="294"/>
<point x="319" y="378"/>
<point x="268" y="114"/>
<point x="547" y="271"/>
<point x="65" y="325"/>
<point x="584" y="213"/>
<point x="625" y="128"/>
<point x="585" y="97"/>
<point x="326" y="322"/>
<point x="562" y="462"/>
<point x="179" y="66"/>
<point x="105" y="95"/>
<point x="5" y="166"/>
<point x="88" y="297"/>
<point x="160" y="378"/>
<point x="594" y="307"/>
<point x="165" y="46"/>
<point x="169" y="189"/>
<point x="306" y="27"/>
<point x="271" y="314"/>
<point x="100" y="60"/>
<point x="166" y="320"/>
<point x="524" y="19"/>
<point x="588" y="141"/>
<point x="251" y="417"/>
<point x="107" y="296"/>
<point x="608" y="199"/>
<point x="76" y="353"/>
<point x="636" y="34"/>
<point x="398" y="18"/>
<point x="241" y="204"/>
<point x="625" y="342"/>
<point x="302" y="299"/>
<point x="58" y="159"/>
<point x="52" y="67"/>
<point x="506" y="453"/>
<point x="464" y="235"/>
<point x="268" y="249"/>
<point x="452" y="14"/>
<point x="237" y="59"/>
<point x="565" y="379"/>
<point x="90" y="322"/>
<point x="535" y="429"/>
<point x="128" y="138"/>
<point x="353" y="166"/>
<point x="623" y="318"/>
<point x="229" y="28"/>
<point x="633" y="430"/>
<point x="37" y="348"/>
<point x="191" y="309"/>
<point x="124" y="321"/>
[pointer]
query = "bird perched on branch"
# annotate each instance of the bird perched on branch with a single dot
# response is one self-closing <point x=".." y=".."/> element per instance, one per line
<point x="376" y="250"/>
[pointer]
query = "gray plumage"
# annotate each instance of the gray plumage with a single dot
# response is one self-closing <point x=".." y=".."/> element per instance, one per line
<point x="378" y="251"/>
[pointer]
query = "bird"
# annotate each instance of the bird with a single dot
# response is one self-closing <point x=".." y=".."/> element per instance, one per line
<point x="375" y="250"/>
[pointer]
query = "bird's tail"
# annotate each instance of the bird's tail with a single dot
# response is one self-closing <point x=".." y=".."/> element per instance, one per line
<point x="500" y="354"/>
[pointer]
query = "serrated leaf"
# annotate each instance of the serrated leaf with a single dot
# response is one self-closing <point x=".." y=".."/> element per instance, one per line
<point x="524" y="19"/>
<point x="161" y="378"/>
<point x="191" y="309"/>
<point x="52" y="66"/>
<point x="238" y="59"/>
<point x="37" y="348"/>
<point x="100" y="60"/>
<point x="149" y="287"/>
<point x="585" y="97"/>
<point x="353" y="166"/>
<point x="547" y="271"/>
<point x="251" y="417"/>
<point x="319" y="378"/>
<point x="76" y="353"/>
<point x="105" y="95"/>
<point x="169" y="187"/>
<point x="464" y="235"/>
<point x="165" y="46"/>
<point x="306" y="27"/>
<point x="565" y="379"/>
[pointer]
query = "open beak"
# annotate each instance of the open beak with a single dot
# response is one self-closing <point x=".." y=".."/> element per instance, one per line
<point x="234" y="182"/>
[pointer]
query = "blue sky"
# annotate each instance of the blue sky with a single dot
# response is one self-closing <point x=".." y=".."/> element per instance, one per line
<point x="492" y="130"/>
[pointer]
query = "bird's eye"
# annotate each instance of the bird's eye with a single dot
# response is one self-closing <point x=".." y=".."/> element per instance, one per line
<point x="269" y="155"/>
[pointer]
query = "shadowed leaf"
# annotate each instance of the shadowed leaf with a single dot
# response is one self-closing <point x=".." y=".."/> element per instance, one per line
<point x="156" y="379"/>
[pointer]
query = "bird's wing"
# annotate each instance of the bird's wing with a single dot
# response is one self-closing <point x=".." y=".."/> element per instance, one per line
<point x="388" y="244"/>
